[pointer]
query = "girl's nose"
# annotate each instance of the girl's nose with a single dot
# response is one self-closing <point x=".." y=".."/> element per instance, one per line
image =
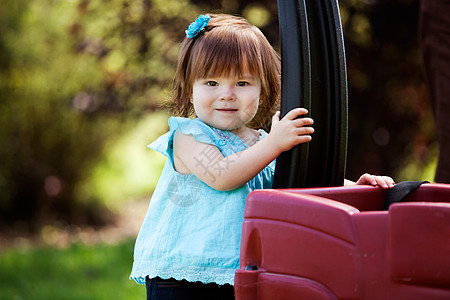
<point x="227" y="94"/>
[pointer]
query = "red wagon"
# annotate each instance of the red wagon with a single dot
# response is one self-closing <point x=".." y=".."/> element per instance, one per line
<point x="335" y="242"/>
<point x="338" y="243"/>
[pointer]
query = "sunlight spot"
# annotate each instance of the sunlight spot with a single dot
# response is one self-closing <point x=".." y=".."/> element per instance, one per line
<point x="257" y="15"/>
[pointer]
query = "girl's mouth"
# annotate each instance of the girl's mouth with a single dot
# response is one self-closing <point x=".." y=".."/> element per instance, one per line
<point x="227" y="110"/>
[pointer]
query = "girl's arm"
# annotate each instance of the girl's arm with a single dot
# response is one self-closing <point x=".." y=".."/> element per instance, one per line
<point x="227" y="173"/>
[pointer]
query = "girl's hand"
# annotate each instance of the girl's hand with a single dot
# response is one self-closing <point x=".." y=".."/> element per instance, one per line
<point x="290" y="130"/>
<point x="384" y="182"/>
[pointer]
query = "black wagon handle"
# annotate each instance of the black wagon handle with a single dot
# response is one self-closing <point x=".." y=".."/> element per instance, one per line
<point x="314" y="76"/>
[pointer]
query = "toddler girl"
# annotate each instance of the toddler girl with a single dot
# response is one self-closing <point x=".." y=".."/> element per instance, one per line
<point x="229" y="76"/>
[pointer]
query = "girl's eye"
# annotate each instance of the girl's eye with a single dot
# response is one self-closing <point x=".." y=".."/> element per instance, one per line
<point x="212" y="83"/>
<point x="242" y="83"/>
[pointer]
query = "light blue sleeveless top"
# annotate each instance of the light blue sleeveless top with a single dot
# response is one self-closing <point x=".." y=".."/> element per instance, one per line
<point x="192" y="231"/>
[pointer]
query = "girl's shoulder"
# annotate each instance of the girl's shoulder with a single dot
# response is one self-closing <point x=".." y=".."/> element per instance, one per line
<point x="188" y="126"/>
<point x="199" y="130"/>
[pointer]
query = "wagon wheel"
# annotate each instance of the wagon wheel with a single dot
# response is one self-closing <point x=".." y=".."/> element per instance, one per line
<point x="314" y="76"/>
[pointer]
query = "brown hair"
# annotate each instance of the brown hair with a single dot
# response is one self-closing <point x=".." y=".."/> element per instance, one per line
<point x="228" y="45"/>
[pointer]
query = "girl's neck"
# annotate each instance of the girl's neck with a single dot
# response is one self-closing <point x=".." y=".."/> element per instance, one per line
<point x="248" y="135"/>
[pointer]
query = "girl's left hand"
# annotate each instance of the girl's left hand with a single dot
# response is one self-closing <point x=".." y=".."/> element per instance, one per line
<point x="384" y="182"/>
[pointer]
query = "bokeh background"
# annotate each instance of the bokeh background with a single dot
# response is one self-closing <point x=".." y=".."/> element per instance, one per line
<point x="82" y="83"/>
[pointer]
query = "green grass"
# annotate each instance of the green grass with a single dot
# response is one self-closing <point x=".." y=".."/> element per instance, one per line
<point x="78" y="272"/>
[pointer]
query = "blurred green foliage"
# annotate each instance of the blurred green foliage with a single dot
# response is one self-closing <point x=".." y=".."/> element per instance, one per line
<point x="116" y="177"/>
<point x="80" y="81"/>
<point x="78" y="272"/>
<point x="74" y="77"/>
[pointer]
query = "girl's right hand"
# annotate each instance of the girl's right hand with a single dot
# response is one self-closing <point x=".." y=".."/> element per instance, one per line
<point x="290" y="130"/>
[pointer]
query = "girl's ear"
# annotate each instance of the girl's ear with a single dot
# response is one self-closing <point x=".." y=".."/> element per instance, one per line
<point x="261" y="99"/>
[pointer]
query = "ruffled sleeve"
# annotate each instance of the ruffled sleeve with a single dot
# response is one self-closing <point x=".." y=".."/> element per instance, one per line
<point x="199" y="130"/>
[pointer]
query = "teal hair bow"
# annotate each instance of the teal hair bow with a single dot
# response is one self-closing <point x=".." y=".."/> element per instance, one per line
<point x="197" y="26"/>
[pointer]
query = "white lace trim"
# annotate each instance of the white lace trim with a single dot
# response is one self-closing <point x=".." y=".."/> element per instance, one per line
<point x="220" y="276"/>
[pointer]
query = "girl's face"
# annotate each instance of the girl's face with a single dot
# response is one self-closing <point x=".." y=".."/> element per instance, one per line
<point x="227" y="103"/>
